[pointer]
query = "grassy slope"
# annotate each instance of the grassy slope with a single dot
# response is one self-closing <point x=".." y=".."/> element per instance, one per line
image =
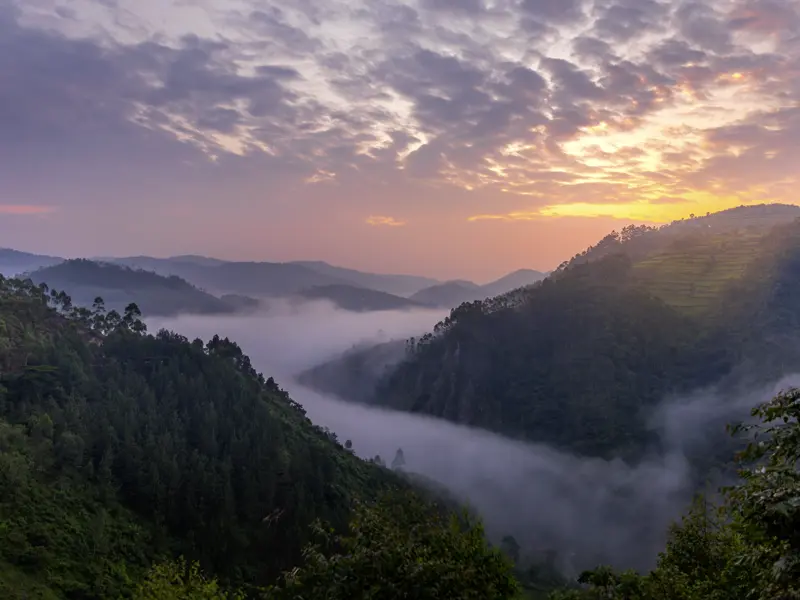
<point x="694" y="272"/>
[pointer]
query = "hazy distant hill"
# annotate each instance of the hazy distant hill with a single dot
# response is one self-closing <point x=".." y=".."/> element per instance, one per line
<point x="270" y="279"/>
<point x="512" y="281"/>
<point x="356" y="299"/>
<point x="14" y="262"/>
<point x="399" y="285"/>
<point x="580" y="359"/>
<point x="85" y="280"/>
<point x="448" y="294"/>
<point x="454" y="293"/>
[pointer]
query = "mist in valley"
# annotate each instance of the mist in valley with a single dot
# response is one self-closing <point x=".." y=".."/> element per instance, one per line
<point x="589" y="511"/>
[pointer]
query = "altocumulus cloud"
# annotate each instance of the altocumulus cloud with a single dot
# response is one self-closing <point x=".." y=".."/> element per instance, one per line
<point x="481" y="107"/>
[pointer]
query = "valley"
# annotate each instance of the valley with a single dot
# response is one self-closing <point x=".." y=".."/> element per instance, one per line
<point x="576" y="417"/>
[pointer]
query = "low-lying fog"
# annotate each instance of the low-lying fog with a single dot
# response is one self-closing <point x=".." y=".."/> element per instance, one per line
<point x="591" y="510"/>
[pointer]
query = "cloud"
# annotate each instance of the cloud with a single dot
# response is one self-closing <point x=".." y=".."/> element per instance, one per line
<point x="290" y="112"/>
<point x="379" y="221"/>
<point x="513" y="216"/>
<point x="24" y="209"/>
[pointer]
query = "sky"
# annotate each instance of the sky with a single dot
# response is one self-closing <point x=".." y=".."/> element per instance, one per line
<point x="450" y="138"/>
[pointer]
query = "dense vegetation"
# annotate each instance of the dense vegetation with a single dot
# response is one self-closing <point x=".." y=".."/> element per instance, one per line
<point x="119" y="448"/>
<point x="580" y="359"/>
<point x="84" y="280"/>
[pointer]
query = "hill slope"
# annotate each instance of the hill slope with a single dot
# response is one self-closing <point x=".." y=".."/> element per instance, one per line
<point x="455" y="293"/>
<point x="120" y="448"/>
<point x="85" y="280"/>
<point x="14" y="262"/>
<point x="581" y="359"/>
<point x="355" y="299"/>
<point x="398" y="285"/>
<point x="271" y="279"/>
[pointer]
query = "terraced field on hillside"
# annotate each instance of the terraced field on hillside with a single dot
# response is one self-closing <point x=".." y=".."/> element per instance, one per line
<point x="692" y="274"/>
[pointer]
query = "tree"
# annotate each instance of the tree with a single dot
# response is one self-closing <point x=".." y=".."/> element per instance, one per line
<point x="510" y="547"/>
<point x="399" y="459"/>
<point x="400" y="548"/>
<point x="179" y="580"/>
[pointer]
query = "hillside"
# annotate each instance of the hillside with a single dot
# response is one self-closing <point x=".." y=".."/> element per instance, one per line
<point x="448" y="294"/>
<point x="455" y="293"/>
<point x="355" y="299"/>
<point x="580" y="360"/>
<point x="142" y="446"/>
<point x="270" y="279"/>
<point x="397" y="285"/>
<point x="512" y="281"/>
<point x="122" y="450"/>
<point x="14" y="262"/>
<point x="85" y="280"/>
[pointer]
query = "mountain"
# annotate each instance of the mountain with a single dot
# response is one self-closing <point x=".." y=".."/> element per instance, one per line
<point x="356" y="373"/>
<point x="398" y="285"/>
<point x="448" y="294"/>
<point x="455" y="293"/>
<point x="357" y="299"/>
<point x="271" y="279"/>
<point x="122" y="451"/>
<point x="14" y="262"/>
<point x="581" y="359"/>
<point x="118" y="452"/>
<point x="85" y="280"/>
<point x="512" y="281"/>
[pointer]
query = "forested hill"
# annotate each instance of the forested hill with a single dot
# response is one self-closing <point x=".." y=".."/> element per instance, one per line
<point x="580" y="360"/>
<point x="119" y="448"/>
<point x="85" y="280"/>
<point x="124" y="454"/>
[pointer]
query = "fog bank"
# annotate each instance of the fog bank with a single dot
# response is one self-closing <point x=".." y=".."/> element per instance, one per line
<point x="590" y="510"/>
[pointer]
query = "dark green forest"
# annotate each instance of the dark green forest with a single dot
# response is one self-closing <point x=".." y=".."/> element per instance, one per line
<point x="121" y="450"/>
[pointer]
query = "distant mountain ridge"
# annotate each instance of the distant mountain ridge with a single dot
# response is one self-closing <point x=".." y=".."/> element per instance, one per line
<point x="454" y="293"/>
<point x="118" y="285"/>
<point x="357" y="299"/>
<point x="15" y="262"/>
<point x="298" y="279"/>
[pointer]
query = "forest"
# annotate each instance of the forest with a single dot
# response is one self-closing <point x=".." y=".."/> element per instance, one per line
<point x="122" y="451"/>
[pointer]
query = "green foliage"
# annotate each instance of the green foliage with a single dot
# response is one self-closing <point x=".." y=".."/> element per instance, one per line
<point x="121" y="448"/>
<point x="401" y="548"/>
<point x="749" y="548"/>
<point x="179" y="580"/>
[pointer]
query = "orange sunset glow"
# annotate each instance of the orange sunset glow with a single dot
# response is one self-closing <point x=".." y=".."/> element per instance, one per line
<point x="453" y="138"/>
